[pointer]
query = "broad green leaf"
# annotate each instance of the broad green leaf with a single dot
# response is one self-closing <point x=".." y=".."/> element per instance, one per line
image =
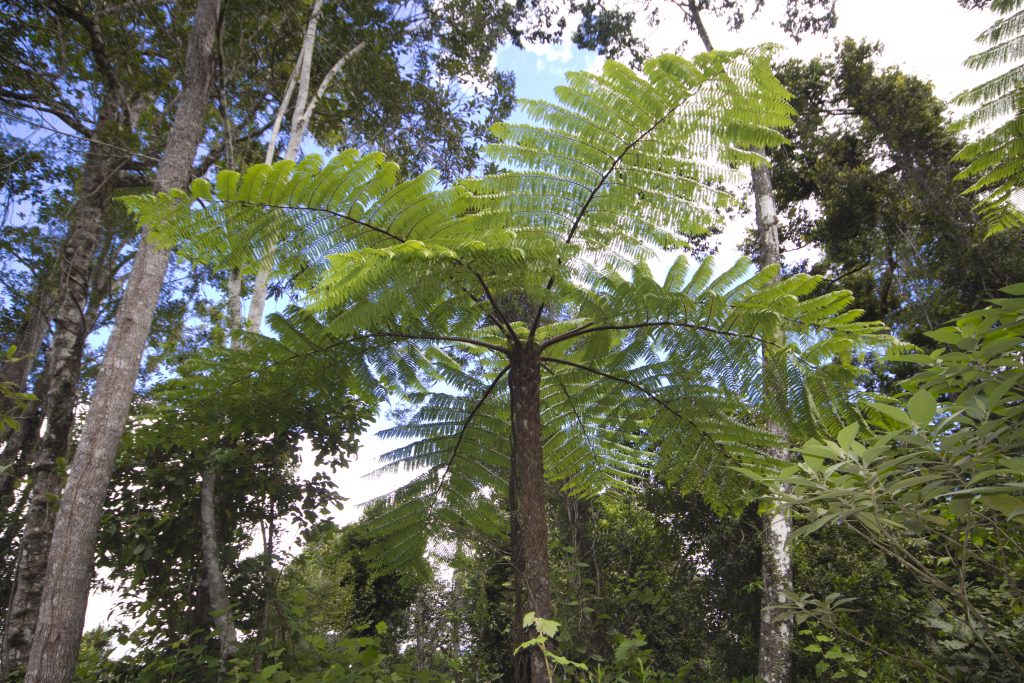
<point x="921" y="407"/>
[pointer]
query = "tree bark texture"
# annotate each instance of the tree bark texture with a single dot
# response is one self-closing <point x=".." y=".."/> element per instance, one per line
<point x="28" y="340"/>
<point x="69" y="573"/>
<point x="21" y="443"/>
<point x="776" y="635"/>
<point x="769" y="252"/>
<point x="220" y="601"/>
<point x="531" y="584"/>
<point x="64" y="364"/>
<point x="234" y="301"/>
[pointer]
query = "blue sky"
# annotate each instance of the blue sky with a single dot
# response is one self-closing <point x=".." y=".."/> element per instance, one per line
<point x="539" y="71"/>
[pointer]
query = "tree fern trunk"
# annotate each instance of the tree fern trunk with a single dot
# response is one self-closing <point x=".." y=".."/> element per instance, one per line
<point x="776" y="635"/>
<point x="64" y="364"/>
<point x="69" y="572"/>
<point x="531" y="584"/>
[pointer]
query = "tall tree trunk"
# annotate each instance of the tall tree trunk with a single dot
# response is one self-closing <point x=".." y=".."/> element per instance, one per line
<point x="69" y="573"/>
<point x="216" y="584"/>
<point x="774" y="663"/>
<point x="530" y="582"/>
<point x="220" y="601"/>
<point x="776" y="635"/>
<point x="64" y="363"/>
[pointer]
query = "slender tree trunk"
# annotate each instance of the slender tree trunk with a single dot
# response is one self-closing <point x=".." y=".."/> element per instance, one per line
<point x="21" y="443"/>
<point x="220" y="601"/>
<point x="776" y="635"/>
<point x="530" y="581"/>
<point x="234" y="301"/>
<point x="29" y="341"/>
<point x="774" y="663"/>
<point x="300" y="119"/>
<point x="69" y="573"/>
<point x="302" y="114"/>
<point x="259" y="297"/>
<point x="64" y="365"/>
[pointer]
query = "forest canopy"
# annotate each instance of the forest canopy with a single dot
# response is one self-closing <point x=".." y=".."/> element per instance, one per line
<point x="241" y="244"/>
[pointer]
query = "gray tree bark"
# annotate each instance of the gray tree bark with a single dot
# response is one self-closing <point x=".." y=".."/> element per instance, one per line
<point x="220" y="601"/>
<point x="64" y="365"/>
<point x="69" y="572"/>
<point x="774" y="664"/>
<point x="28" y="340"/>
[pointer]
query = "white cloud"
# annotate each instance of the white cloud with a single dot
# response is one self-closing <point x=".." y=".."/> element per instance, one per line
<point x="550" y="56"/>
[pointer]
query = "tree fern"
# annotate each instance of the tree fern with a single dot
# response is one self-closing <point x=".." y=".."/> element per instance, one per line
<point x="516" y="312"/>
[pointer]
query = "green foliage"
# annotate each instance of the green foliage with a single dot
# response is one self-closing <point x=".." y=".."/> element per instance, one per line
<point x="934" y="482"/>
<point x="868" y="182"/>
<point x="332" y="589"/>
<point x="13" y="400"/>
<point x="251" y="413"/>
<point x="629" y="663"/>
<point x="878" y="632"/>
<point x="663" y="565"/>
<point x="435" y="286"/>
<point x="356" y="659"/>
<point x="993" y="161"/>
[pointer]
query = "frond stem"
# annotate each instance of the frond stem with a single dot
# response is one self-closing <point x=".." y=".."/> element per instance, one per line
<point x="590" y="198"/>
<point x="647" y="392"/>
<point x="469" y="418"/>
<point x="502" y="318"/>
<point x="591" y="327"/>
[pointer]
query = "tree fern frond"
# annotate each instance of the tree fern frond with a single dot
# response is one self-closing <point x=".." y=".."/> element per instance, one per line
<point x="993" y="163"/>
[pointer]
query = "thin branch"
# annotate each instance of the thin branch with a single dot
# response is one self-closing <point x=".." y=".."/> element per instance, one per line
<point x="26" y="100"/>
<point x="282" y="108"/>
<point x="326" y="82"/>
<point x="97" y="46"/>
<point x="44" y="126"/>
<point x="698" y="24"/>
<point x="131" y="4"/>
